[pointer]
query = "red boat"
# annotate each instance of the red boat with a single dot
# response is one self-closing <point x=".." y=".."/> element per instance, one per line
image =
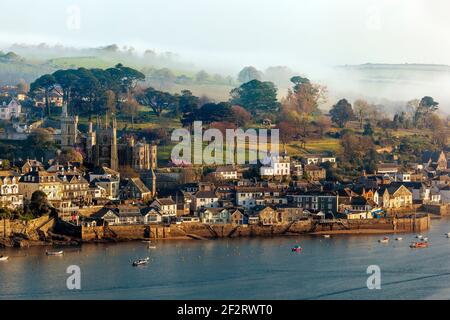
<point x="297" y="249"/>
<point x="419" y="245"/>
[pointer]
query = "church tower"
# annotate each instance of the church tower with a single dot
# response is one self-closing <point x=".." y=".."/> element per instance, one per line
<point x="106" y="144"/>
<point x="69" y="129"/>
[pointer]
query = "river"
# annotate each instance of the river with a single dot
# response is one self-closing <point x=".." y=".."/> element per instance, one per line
<point x="247" y="268"/>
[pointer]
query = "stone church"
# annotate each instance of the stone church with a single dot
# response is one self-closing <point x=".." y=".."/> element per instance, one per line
<point x="102" y="147"/>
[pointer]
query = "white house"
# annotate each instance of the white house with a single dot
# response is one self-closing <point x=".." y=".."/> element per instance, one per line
<point x="205" y="199"/>
<point x="279" y="166"/>
<point x="215" y="216"/>
<point x="11" y="110"/>
<point x="226" y="173"/>
<point x="165" y="206"/>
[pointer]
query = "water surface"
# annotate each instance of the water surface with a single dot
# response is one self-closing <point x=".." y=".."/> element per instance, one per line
<point x="263" y="268"/>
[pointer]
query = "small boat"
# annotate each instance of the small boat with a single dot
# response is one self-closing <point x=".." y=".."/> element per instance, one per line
<point x="147" y="241"/>
<point x="3" y="258"/>
<point x="297" y="249"/>
<point x="151" y="247"/>
<point x="399" y="239"/>
<point x="384" y="240"/>
<point x="417" y="245"/>
<point x="55" y="253"/>
<point x="425" y="239"/>
<point x="326" y="236"/>
<point x="419" y="236"/>
<point x="448" y="235"/>
<point x="141" y="262"/>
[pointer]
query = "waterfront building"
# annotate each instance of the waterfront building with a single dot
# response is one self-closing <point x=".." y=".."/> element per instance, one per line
<point x="215" y="216"/>
<point x="41" y="180"/>
<point x="10" y="196"/>
<point x="238" y="217"/>
<point x="316" y="201"/>
<point x="267" y="216"/>
<point x="134" y="188"/>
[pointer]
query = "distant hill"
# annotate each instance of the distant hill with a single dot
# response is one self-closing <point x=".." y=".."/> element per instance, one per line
<point x="394" y="82"/>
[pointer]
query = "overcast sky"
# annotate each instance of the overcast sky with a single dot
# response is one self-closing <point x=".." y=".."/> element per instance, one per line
<point x="243" y="32"/>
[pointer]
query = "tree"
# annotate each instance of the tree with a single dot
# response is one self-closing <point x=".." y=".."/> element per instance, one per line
<point x="368" y="130"/>
<point x="426" y="107"/>
<point x="39" y="205"/>
<point x="157" y="100"/>
<point x="361" y="107"/>
<point x="341" y="113"/>
<point x="215" y="112"/>
<point x="248" y="74"/>
<point x="256" y="97"/>
<point x="131" y="108"/>
<point x="201" y="77"/>
<point x="45" y="84"/>
<point x="241" y="116"/>
<point x="70" y="155"/>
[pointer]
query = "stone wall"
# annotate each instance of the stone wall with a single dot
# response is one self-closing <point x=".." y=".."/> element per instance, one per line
<point x="203" y="231"/>
<point x="437" y="209"/>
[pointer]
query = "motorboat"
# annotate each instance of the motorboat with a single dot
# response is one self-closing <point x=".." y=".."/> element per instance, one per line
<point x="141" y="262"/>
<point x="326" y="236"/>
<point x="152" y="247"/>
<point x="4" y="258"/>
<point x="297" y="248"/>
<point x="425" y="239"/>
<point x="417" y="245"/>
<point x="55" y="253"/>
<point x="399" y="239"/>
<point x="384" y="240"/>
<point x="419" y="236"/>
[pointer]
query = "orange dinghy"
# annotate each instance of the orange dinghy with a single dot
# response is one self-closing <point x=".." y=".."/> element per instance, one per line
<point x="417" y="245"/>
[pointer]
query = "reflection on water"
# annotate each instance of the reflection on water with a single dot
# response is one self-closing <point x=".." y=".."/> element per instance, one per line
<point x="236" y="269"/>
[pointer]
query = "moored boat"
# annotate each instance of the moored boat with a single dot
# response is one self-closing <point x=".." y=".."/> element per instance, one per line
<point x="419" y="236"/>
<point x="297" y="248"/>
<point x="326" y="236"/>
<point x="152" y="247"/>
<point x="384" y="240"/>
<point x="399" y="239"/>
<point x="419" y="245"/>
<point x="141" y="262"/>
<point x="3" y="258"/>
<point x="55" y="253"/>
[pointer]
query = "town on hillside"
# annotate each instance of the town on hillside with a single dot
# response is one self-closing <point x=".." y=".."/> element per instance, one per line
<point x="97" y="154"/>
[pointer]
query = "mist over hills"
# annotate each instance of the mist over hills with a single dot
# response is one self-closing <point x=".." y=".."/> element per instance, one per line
<point x="388" y="84"/>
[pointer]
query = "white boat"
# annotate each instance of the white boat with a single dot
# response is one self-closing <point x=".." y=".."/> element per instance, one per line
<point x="141" y="262"/>
<point x="326" y="236"/>
<point x="399" y="239"/>
<point x="152" y="247"/>
<point x="447" y="235"/>
<point x="425" y="239"/>
<point x="384" y="240"/>
<point x="3" y="258"/>
<point x="55" y="253"/>
<point x="419" y="236"/>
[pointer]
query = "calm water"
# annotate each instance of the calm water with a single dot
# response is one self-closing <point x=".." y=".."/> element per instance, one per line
<point x="237" y="269"/>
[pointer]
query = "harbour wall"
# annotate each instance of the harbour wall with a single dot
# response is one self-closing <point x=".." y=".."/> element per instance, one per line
<point x="201" y="231"/>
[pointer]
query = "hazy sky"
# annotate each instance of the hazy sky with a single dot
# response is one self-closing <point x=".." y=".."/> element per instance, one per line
<point x="241" y="32"/>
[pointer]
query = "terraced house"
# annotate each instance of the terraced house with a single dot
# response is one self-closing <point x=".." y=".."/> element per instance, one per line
<point x="49" y="183"/>
<point x="9" y="190"/>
